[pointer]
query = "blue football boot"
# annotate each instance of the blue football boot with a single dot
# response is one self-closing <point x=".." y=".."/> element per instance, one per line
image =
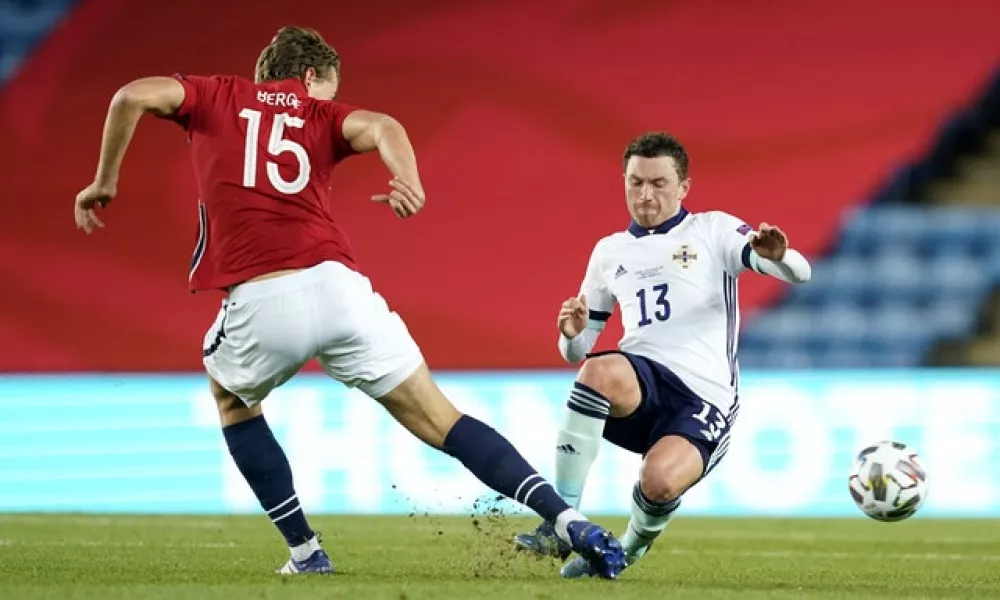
<point x="543" y="541"/>
<point x="598" y="549"/>
<point x="601" y="550"/>
<point x="318" y="562"/>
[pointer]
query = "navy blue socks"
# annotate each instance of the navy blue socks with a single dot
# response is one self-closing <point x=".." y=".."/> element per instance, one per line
<point x="495" y="462"/>
<point x="263" y="464"/>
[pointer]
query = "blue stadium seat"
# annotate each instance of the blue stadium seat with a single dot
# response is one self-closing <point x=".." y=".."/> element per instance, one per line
<point x="22" y="25"/>
<point x="900" y="278"/>
<point x="951" y="318"/>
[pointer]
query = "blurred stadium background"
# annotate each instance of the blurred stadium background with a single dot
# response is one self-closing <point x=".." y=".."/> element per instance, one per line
<point x="869" y="131"/>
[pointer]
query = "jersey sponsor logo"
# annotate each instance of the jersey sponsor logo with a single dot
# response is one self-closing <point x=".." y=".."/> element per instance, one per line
<point x="743" y="229"/>
<point x="621" y="271"/>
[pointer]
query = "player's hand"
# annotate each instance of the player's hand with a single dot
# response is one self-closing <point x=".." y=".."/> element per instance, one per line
<point x="87" y="200"/>
<point x="573" y="316"/>
<point x="769" y="242"/>
<point x="406" y="199"/>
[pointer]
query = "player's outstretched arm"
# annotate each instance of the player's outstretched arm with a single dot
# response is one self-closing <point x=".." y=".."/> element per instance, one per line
<point x="771" y="255"/>
<point x="367" y="131"/>
<point x="161" y="96"/>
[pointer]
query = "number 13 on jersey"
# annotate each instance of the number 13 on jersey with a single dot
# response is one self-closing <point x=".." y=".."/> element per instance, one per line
<point x="276" y="144"/>
<point x="659" y="295"/>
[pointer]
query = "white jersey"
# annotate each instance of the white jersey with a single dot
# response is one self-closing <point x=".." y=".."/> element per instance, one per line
<point x="676" y="288"/>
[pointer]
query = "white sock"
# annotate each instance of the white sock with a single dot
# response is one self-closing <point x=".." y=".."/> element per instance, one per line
<point x="648" y="521"/>
<point x="579" y="440"/>
<point x="304" y="551"/>
<point x="564" y="519"/>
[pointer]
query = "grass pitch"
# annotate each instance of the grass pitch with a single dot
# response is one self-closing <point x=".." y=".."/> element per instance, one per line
<point x="129" y="557"/>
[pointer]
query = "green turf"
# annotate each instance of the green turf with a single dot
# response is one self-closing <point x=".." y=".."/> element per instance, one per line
<point x="110" y="557"/>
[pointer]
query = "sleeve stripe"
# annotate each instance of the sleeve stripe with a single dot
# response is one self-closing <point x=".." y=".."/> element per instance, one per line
<point x="599" y="315"/>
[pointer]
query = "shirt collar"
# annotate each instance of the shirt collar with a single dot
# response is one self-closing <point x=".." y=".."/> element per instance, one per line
<point x="639" y="231"/>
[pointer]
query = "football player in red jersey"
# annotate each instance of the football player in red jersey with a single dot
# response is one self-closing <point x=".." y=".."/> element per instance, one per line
<point x="262" y="153"/>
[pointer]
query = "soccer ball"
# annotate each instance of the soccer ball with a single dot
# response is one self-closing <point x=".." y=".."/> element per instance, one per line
<point x="887" y="481"/>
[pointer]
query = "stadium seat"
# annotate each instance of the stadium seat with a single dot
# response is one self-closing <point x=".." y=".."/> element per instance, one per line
<point x="22" y="25"/>
<point x="900" y="277"/>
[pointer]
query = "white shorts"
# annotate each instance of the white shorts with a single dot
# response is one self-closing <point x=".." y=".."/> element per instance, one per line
<point x="268" y="329"/>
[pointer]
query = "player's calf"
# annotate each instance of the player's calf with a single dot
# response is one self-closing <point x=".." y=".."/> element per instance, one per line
<point x="606" y="386"/>
<point x="265" y="467"/>
<point x="419" y="405"/>
<point x="670" y="467"/>
<point x="648" y="520"/>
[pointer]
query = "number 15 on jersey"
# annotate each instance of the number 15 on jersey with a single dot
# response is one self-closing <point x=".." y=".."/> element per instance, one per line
<point x="276" y="144"/>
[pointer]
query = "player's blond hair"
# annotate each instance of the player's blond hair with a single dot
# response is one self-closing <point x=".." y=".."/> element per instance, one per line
<point x="292" y="51"/>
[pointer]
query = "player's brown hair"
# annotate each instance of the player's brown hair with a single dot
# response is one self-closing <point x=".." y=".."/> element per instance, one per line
<point x="657" y="143"/>
<point x="292" y="51"/>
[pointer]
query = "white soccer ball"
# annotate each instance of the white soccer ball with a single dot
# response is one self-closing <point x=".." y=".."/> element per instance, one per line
<point x="887" y="481"/>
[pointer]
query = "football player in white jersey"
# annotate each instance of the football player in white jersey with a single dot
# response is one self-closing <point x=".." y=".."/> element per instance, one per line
<point x="671" y="391"/>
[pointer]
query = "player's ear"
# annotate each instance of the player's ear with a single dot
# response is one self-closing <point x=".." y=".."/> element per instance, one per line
<point x="683" y="188"/>
<point x="309" y="77"/>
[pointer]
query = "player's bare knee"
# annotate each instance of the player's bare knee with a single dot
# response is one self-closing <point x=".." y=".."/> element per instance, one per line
<point x="671" y="466"/>
<point x="661" y="485"/>
<point x="603" y="374"/>
<point x="612" y="376"/>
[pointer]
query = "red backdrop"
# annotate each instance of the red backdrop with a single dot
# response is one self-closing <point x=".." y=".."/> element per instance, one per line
<point x="519" y="112"/>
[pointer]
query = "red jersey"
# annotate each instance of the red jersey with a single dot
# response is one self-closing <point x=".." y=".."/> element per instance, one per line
<point x="263" y="155"/>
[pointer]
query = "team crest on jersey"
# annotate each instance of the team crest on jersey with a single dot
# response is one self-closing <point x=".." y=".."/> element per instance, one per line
<point x="685" y="256"/>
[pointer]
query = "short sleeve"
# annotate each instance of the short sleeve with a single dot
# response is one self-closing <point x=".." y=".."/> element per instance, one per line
<point x="341" y="147"/>
<point x="731" y="237"/>
<point x="600" y="300"/>
<point x="196" y="90"/>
